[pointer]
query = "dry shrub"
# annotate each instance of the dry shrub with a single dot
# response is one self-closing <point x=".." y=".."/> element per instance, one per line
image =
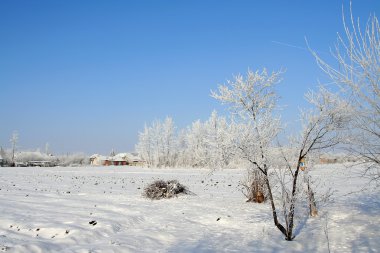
<point x="161" y="189"/>
<point x="254" y="187"/>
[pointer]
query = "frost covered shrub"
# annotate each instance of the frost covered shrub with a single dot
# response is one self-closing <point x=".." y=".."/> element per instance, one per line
<point x="27" y="156"/>
<point x="254" y="187"/>
<point x="77" y="159"/>
<point x="160" y="189"/>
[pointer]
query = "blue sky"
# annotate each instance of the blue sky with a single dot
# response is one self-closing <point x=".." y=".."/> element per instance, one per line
<point x="85" y="76"/>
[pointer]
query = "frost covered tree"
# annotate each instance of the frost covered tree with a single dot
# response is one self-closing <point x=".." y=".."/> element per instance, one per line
<point x="254" y="99"/>
<point x="182" y="155"/>
<point x="197" y="145"/>
<point x="147" y="145"/>
<point x="357" y="73"/>
<point x="169" y="142"/>
<point x="322" y="128"/>
<point x="203" y="144"/>
<point x="219" y="140"/>
<point x="209" y="143"/>
<point x="157" y="144"/>
<point x="76" y="159"/>
<point x="144" y="146"/>
<point x="27" y="156"/>
<point x="13" y="141"/>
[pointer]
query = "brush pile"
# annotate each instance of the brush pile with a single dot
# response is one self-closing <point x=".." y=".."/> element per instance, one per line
<point x="161" y="189"/>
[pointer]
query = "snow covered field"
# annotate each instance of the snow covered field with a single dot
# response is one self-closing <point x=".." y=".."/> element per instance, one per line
<point x="100" y="209"/>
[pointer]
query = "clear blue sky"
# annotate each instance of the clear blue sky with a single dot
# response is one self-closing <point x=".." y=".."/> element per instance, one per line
<point x="87" y="75"/>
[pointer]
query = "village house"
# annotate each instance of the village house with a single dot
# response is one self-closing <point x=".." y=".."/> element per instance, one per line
<point x="121" y="159"/>
<point x="99" y="160"/>
<point x="134" y="159"/>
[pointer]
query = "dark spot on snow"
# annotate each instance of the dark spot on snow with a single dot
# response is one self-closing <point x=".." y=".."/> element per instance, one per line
<point x="93" y="222"/>
<point x="37" y="229"/>
<point x="218" y="219"/>
<point x="5" y="248"/>
<point x="67" y="231"/>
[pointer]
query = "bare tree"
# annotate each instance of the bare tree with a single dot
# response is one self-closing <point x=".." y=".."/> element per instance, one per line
<point x="254" y="99"/>
<point x="357" y="73"/>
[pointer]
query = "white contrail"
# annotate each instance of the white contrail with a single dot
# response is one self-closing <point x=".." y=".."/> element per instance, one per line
<point x="297" y="47"/>
<point x="289" y="45"/>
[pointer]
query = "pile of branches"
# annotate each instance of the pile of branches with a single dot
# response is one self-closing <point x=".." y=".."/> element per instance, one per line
<point x="161" y="189"/>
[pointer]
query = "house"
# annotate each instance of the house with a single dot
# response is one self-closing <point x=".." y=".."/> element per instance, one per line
<point x="121" y="159"/>
<point x="99" y="160"/>
<point x="119" y="162"/>
<point x="131" y="159"/>
<point x="135" y="160"/>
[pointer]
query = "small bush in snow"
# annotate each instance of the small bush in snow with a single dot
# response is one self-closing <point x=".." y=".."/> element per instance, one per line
<point x="160" y="189"/>
<point x="254" y="187"/>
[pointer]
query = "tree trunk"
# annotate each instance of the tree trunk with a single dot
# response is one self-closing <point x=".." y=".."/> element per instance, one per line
<point x="312" y="205"/>
<point x="275" y="219"/>
<point x="289" y="235"/>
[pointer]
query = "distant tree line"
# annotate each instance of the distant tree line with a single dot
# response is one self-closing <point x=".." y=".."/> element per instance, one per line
<point x="12" y="158"/>
<point x="207" y="144"/>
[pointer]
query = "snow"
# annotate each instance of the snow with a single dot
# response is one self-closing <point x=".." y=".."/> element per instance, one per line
<point x="50" y="210"/>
